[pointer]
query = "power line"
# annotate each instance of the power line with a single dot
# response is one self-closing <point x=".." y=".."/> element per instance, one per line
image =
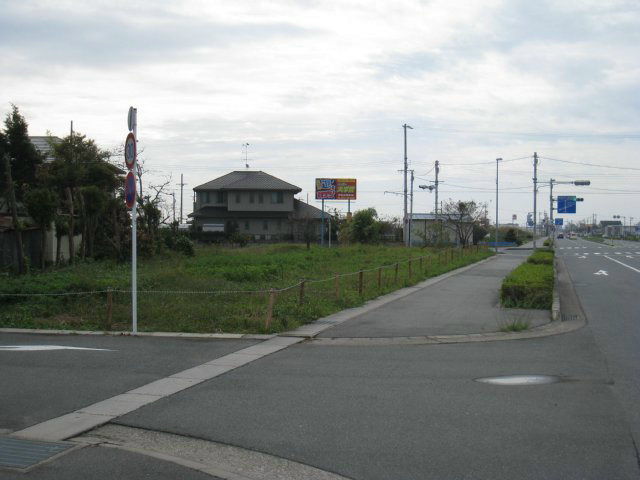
<point x="590" y="164"/>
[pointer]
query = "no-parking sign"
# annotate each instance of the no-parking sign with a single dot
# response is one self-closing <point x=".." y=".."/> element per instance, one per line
<point x="130" y="190"/>
<point x="130" y="150"/>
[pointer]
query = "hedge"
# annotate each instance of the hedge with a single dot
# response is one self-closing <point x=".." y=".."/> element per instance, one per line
<point x="531" y="284"/>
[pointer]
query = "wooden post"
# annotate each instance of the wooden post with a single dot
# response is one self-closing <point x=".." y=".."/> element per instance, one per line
<point x="270" y="301"/>
<point x="301" y="302"/>
<point x="337" y="285"/>
<point x="360" y="282"/>
<point x="109" y="308"/>
<point x="395" y="278"/>
<point x="379" y="277"/>
<point x="409" y="267"/>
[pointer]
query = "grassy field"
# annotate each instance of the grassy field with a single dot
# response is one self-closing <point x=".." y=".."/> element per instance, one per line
<point x="220" y="289"/>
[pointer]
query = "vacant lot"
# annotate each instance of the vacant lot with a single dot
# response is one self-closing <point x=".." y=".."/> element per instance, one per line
<point x="221" y="289"/>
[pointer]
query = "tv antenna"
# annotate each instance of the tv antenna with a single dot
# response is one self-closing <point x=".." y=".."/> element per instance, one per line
<point x="245" y="147"/>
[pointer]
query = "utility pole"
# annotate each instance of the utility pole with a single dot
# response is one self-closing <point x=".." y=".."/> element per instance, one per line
<point x="437" y="182"/>
<point x="182" y="184"/>
<point x="535" y="194"/>
<point x="551" y="180"/>
<point x="411" y="212"/>
<point x="173" y="194"/>
<point x="498" y="160"/>
<point x="405" y="219"/>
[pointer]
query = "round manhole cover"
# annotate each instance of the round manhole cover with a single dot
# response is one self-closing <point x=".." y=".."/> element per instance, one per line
<point x="514" y="380"/>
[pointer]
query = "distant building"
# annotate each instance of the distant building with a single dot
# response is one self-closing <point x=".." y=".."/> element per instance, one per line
<point x="255" y="203"/>
<point x="44" y="147"/>
<point x="432" y="229"/>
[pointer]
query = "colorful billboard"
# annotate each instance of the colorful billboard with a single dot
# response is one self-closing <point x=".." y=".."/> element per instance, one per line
<point x="335" y="188"/>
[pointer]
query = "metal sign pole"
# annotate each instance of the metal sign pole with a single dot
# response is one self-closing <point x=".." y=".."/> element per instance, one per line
<point x="134" y="257"/>
<point x="322" y="234"/>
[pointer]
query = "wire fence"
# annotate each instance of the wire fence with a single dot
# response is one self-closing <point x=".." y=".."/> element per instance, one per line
<point x="264" y="310"/>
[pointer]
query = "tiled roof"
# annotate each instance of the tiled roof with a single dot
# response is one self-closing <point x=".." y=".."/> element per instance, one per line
<point x="248" y="180"/>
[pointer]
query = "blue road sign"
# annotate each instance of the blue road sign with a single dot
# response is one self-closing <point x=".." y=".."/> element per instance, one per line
<point x="557" y="221"/>
<point x="566" y="204"/>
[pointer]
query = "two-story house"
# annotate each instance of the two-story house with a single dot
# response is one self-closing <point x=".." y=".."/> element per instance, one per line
<point x="255" y="203"/>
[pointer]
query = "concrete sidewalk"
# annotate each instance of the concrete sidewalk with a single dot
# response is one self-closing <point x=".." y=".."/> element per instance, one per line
<point x="465" y="303"/>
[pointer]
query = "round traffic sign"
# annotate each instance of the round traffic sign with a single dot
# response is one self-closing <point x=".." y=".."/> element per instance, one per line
<point x="130" y="150"/>
<point x="130" y="190"/>
<point x="131" y="118"/>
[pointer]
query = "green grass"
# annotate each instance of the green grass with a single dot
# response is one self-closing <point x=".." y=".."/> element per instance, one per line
<point x="208" y="292"/>
<point x="594" y="238"/>
<point x="530" y="285"/>
<point x="517" y="326"/>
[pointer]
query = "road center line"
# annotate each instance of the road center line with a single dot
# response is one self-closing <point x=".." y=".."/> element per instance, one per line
<point x="623" y="264"/>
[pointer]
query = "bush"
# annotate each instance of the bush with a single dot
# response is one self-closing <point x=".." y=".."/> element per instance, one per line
<point x="531" y="284"/>
<point x="184" y="245"/>
<point x="240" y="238"/>
<point x="541" y="257"/>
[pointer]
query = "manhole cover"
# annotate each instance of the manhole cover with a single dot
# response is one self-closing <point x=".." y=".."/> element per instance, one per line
<point x="513" y="380"/>
<point x="19" y="453"/>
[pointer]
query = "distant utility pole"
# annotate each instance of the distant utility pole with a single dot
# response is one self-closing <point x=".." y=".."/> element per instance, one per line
<point x="535" y="194"/>
<point x="173" y="194"/>
<point x="182" y="184"/>
<point x="437" y="182"/>
<point x="551" y="181"/>
<point x="411" y="212"/>
<point x="405" y="219"/>
<point x="498" y="160"/>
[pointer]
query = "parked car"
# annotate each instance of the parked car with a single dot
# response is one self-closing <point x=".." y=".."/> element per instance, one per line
<point x="561" y="235"/>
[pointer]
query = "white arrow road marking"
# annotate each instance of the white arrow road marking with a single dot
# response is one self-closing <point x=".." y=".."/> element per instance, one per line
<point x="602" y="272"/>
<point x="623" y="264"/>
<point x="37" y="348"/>
<point x="629" y="256"/>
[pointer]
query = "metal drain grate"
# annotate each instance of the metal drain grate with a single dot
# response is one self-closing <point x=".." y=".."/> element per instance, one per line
<point x="19" y="453"/>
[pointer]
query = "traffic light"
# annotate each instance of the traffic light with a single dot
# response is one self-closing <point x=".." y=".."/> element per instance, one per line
<point x="579" y="199"/>
<point x="582" y="182"/>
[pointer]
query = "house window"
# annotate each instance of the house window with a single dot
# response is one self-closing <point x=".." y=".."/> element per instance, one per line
<point x="260" y="198"/>
<point x="205" y="196"/>
<point x="252" y="197"/>
<point x="265" y="225"/>
<point x="246" y="224"/>
<point x="238" y="199"/>
<point x="222" y="196"/>
<point x="276" y="197"/>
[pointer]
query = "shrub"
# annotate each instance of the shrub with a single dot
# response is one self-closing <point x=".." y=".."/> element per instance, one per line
<point x="541" y="257"/>
<point x="184" y="245"/>
<point x="240" y="238"/>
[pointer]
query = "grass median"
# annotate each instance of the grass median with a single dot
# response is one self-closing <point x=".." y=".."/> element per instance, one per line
<point x="530" y="285"/>
<point x="221" y="290"/>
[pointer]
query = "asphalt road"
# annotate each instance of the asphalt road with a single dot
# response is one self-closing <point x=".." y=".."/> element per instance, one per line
<point x="388" y="411"/>
<point x="42" y="384"/>
<point x="607" y="281"/>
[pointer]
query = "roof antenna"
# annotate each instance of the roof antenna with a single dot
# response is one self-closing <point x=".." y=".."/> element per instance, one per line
<point x="245" y="147"/>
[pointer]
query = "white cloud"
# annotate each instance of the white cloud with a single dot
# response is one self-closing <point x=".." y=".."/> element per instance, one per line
<point x="322" y="88"/>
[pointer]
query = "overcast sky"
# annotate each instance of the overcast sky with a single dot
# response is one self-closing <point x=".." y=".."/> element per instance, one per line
<point x="322" y="89"/>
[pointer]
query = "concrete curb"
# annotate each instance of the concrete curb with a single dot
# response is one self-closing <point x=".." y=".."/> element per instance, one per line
<point x="555" y="306"/>
<point x="227" y="336"/>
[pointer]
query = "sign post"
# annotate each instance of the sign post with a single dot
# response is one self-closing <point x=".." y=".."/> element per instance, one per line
<point x="130" y="159"/>
<point x="334" y="189"/>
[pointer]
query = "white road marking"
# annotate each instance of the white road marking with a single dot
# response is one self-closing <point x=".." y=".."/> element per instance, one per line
<point x="582" y="256"/>
<point x="602" y="272"/>
<point x="623" y="264"/>
<point x="597" y="253"/>
<point x="39" y="348"/>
